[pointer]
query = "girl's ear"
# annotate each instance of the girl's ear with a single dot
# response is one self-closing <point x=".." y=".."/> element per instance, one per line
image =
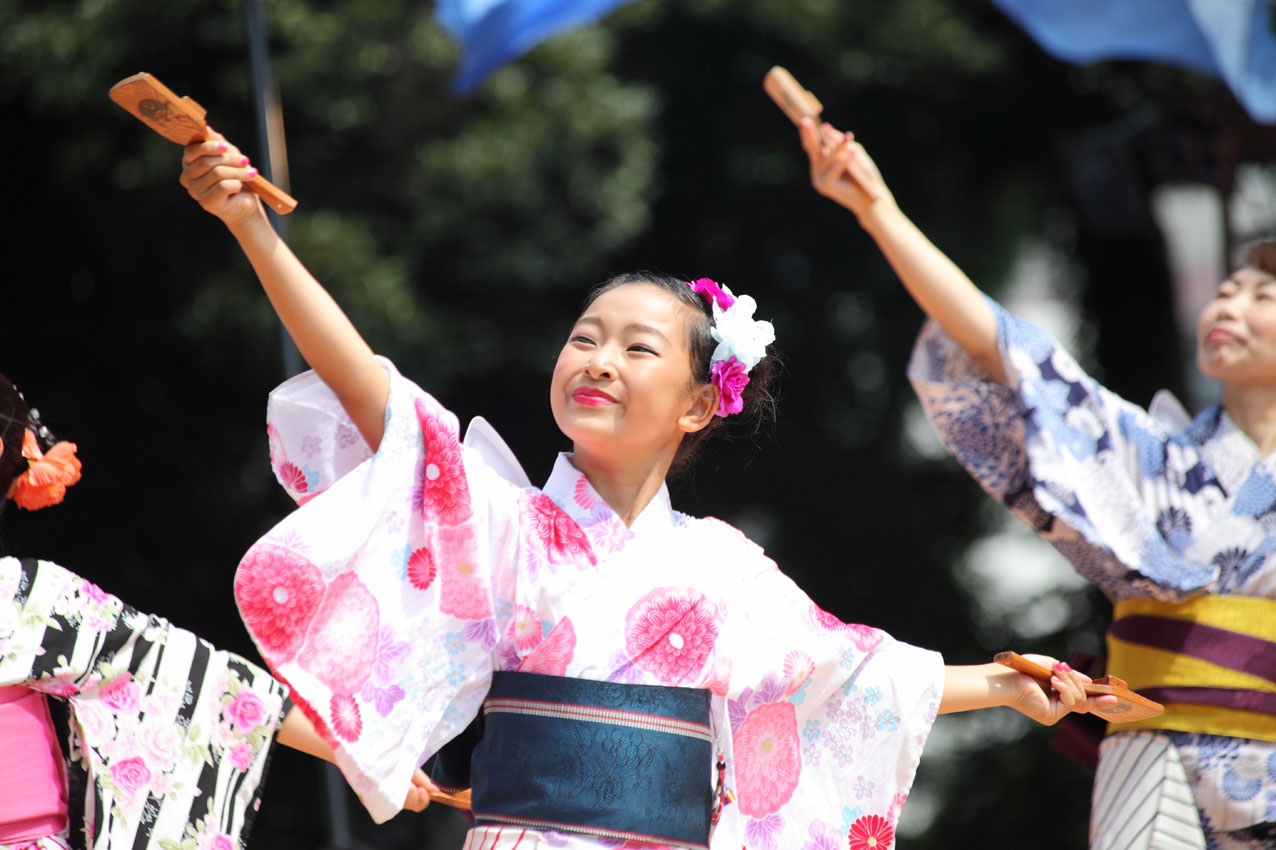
<point x="701" y="410"/>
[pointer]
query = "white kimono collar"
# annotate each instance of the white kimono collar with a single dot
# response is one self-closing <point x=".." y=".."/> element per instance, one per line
<point x="571" y="491"/>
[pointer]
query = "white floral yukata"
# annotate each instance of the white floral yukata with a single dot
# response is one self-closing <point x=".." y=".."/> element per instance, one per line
<point x="388" y="601"/>
<point x="170" y="737"/>
<point x="1144" y="504"/>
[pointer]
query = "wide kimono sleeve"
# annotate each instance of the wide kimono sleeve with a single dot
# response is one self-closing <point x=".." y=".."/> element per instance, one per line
<point x="1101" y="479"/>
<point x="827" y="720"/>
<point x="170" y="737"/>
<point x="375" y="600"/>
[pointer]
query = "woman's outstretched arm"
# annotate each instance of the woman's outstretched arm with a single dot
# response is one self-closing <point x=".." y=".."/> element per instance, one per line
<point x="968" y="687"/>
<point x="214" y="173"/>
<point x="847" y="175"/>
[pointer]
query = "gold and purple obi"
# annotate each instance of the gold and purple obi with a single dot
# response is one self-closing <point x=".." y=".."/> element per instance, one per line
<point x="1210" y="659"/>
<point x="626" y="762"/>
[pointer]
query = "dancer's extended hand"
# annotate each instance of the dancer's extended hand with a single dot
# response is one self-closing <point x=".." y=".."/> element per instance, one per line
<point x="419" y="794"/>
<point x="843" y="172"/>
<point x="1050" y="704"/>
<point x="214" y="173"/>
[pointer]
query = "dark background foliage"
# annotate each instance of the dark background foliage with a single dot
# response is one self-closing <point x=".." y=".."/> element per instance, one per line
<point x="461" y="235"/>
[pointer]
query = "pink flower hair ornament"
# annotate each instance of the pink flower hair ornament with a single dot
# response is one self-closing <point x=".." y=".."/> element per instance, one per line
<point x="742" y="342"/>
<point x="710" y="289"/>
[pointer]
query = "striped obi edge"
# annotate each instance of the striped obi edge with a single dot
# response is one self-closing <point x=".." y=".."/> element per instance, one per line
<point x="626" y="762"/>
<point x="1210" y="659"/>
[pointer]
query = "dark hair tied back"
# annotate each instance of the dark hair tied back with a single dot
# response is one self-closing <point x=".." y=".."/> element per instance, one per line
<point x="759" y="402"/>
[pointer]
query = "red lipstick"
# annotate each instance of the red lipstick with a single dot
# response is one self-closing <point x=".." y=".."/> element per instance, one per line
<point x="591" y="396"/>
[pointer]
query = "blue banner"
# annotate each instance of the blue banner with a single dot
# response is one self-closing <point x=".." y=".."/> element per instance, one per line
<point x="1231" y="40"/>
<point x="492" y="32"/>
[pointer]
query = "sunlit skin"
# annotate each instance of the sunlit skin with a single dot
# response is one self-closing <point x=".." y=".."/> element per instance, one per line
<point x="1236" y="334"/>
<point x="1236" y="345"/>
<point x="623" y="393"/>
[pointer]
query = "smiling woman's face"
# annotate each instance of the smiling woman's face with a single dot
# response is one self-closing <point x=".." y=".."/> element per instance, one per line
<point x="623" y="382"/>
<point x="1236" y="332"/>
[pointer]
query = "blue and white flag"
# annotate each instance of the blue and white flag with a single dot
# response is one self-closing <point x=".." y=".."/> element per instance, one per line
<point x="492" y="32"/>
<point x="1228" y="39"/>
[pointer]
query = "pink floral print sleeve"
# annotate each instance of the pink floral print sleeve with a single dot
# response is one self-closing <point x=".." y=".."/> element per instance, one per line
<point x="387" y="600"/>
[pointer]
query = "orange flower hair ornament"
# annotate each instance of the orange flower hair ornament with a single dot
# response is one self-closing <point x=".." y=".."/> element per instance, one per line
<point x="48" y="474"/>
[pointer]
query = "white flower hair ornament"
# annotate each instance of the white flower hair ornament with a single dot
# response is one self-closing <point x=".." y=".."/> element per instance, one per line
<point x="742" y="342"/>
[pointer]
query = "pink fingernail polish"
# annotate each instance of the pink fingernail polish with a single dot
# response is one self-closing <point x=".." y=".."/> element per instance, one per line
<point x="221" y="146"/>
<point x="252" y="172"/>
<point x="243" y="160"/>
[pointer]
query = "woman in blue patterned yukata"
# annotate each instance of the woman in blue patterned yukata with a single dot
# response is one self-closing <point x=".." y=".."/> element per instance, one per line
<point x="1173" y="517"/>
<point x="643" y="677"/>
<point x="166" y="738"/>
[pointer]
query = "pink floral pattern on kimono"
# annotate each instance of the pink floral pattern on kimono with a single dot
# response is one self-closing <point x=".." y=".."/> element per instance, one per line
<point x="798" y="667"/>
<point x="552" y="655"/>
<point x="525" y="628"/>
<point x="560" y="538"/>
<point x="346" y="721"/>
<point x="767" y="758"/>
<point x="503" y="576"/>
<point x="421" y="569"/>
<point x="864" y="637"/>
<point x="278" y="591"/>
<point x="670" y="633"/>
<point x="341" y="642"/>
<point x="442" y="493"/>
<point x="466" y="591"/>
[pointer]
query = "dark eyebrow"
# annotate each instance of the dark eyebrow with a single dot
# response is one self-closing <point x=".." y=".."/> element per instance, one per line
<point x="629" y="328"/>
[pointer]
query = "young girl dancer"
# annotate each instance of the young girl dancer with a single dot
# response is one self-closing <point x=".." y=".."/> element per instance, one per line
<point x="168" y="737"/>
<point x="642" y="675"/>
<point x="1171" y="516"/>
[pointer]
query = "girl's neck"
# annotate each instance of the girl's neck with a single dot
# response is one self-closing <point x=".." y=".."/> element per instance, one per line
<point x="625" y="485"/>
<point x="1253" y="408"/>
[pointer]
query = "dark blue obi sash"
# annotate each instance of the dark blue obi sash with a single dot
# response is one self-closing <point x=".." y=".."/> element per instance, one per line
<point x="630" y="762"/>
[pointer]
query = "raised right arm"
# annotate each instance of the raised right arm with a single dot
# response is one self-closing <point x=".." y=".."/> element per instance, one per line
<point x="846" y="174"/>
<point x="214" y="173"/>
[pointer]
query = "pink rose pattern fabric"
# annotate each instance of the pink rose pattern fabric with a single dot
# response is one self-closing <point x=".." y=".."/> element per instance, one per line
<point x="822" y="723"/>
<point x="170" y="736"/>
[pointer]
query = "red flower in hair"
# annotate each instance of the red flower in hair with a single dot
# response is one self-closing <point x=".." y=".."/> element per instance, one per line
<point x="47" y="476"/>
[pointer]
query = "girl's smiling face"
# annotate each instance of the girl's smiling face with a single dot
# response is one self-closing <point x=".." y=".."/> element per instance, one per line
<point x="623" y="383"/>
<point x="1236" y="332"/>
